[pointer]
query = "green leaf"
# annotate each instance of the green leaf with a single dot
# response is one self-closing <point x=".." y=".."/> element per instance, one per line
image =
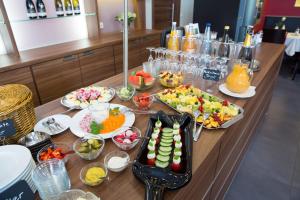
<point x="95" y="127"/>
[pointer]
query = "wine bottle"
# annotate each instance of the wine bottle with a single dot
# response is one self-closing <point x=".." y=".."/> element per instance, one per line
<point x="206" y="44"/>
<point x="189" y="44"/>
<point x="68" y="7"/>
<point x="76" y="7"/>
<point x="59" y="8"/>
<point x="31" y="11"/>
<point x="41" y="9"/>
<point x="173" y="42"/>
<point x="246" y="51"/>
<point x="224" y="48"/>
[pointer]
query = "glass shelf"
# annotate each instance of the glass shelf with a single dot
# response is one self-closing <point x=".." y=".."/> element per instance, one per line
<point x="51" y="18"/>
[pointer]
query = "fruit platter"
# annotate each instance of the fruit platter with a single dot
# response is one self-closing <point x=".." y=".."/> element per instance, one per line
<point x="141" y="80"/>
<point x="115" y="120"/>
<point x="186" y="98"/>
<point x="84" y="97"/>
<point x="165" y="159"/>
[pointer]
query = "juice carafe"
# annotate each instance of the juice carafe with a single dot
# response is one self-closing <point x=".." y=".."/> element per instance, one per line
<point x="189" y="44"/>
<point x="238" y="80"/>
<point x="173" y="42"/>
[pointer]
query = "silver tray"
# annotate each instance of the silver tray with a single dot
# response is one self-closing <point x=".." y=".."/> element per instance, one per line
<point x="225" y="125"/>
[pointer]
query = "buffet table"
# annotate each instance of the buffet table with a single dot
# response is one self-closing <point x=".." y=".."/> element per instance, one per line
<point x="216" y="155"/>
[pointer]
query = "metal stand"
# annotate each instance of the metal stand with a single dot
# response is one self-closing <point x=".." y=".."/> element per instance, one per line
<point x="125" y="44"/>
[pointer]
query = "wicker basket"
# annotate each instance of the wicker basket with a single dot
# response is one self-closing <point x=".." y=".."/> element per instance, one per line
<point x="16" y="103"/>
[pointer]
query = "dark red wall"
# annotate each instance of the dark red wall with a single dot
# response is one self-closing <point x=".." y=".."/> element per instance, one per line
<point x="278" y="8"/>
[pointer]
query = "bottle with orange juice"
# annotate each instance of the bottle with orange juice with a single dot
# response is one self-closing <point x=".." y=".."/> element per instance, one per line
<point x="189" y="44"/>
<point x="173" y="42"/>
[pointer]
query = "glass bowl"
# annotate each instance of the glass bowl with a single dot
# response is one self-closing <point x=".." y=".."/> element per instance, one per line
<point x="171" y="79"/>
<point x="127" y="146"/>
<point x="75" y="194"/>
<point x="123" y="157"/>
<point x="126" y="97"/>
<point x="141" y="80"/>
<point x="143" y="101"/>
<point x="88" y="150"/>
<point x="84" y="172"/>
<point x="65" y="149"/>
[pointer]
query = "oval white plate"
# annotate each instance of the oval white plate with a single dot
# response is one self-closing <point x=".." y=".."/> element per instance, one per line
<point x="77" y="118"/>
<point x="249" y="93"/>
<point x="69" y="104"/>
<point x="63" y="120"/>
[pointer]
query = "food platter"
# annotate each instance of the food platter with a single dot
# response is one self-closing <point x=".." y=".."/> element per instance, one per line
<point x="77" y="130"/>
<point x="222" y="113"/>
<point x="84" y="97"/>
<point x="158" y="177"/>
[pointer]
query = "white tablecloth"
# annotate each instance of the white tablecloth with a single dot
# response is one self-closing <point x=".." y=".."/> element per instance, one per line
<point x="292" y="44"/>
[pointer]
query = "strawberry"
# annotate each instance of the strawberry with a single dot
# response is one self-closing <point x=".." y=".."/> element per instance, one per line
<point x="151" y="162"/>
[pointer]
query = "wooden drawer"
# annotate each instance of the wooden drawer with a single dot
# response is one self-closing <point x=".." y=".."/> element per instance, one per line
<point x="97" y="65"/>
<point x="134" y="55"/>
<point x="57" y="77"/>
<point x="21" y="76"/>
<point x="149" y="41"/>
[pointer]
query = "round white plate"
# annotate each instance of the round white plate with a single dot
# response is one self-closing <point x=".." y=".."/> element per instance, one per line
<point x="15" y="160"/>
<point x="249" y="93"/>
<point x="63" y="120"/>
<point x="77" y="118"/>
<point x="69" y="104"/>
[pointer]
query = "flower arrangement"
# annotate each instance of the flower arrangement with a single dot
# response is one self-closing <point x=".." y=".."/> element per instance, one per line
<point x="131" y="17"/>
<point x="281" y="24"/>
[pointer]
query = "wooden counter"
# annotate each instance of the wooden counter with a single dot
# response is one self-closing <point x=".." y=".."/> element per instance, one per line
<point x="216" y="155"/>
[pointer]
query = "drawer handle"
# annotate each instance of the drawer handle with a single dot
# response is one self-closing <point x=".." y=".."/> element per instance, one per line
<point x="88" y="53"/>
<point x="69" y="58"/>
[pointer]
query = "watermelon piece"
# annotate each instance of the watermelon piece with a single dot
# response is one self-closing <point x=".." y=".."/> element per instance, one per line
<point x="149" y="81"/>
<point x="143" y="74"/>
<point x="136" y="80"/>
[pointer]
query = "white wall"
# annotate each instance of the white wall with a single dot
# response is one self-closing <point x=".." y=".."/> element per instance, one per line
<point x="39" y="33"/>
<point x="186" y="12"/>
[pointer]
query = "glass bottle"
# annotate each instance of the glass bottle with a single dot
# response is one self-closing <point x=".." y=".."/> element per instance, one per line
<point x="68" y="7"/>
<point x="59" y="8"/>
<point x="246" y="51"/>
<point x="224" y="48"/>
<point x="206" y="44"/>
<point x="31" y="11"/>
<point x="41" y="9"/>
<point x="76" y="7"/>
<point x="173" y="42"/>
<point x="189" y="44"/>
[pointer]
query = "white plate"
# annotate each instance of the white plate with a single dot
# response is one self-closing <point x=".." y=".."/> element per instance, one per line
<point x="15" y="160"/>
<point x="65" y="102"/>
<point x="77" y="118"/>
<point x="63" y="120"/>
<point x="249" y="93"/>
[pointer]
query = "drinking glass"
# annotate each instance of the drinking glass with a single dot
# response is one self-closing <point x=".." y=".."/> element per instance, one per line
<point x="51" y="179"/>
<point x="99" y="111"/>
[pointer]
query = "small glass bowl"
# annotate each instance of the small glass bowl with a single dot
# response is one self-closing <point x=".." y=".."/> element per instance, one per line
<point x="75" y="194"/>
<point x="66" y="149"/>
<point x="85" y="169"/>
<point x="93" y="154"/>
<point x="121" y="154"/>
<point x="142" y="106"/>
<point x="123" y="98"/>
<point x="124" y="146"/>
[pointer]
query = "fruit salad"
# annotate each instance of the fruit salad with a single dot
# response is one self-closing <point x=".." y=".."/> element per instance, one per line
<point x="189" y="99"/>
<point x="171" y="79"/>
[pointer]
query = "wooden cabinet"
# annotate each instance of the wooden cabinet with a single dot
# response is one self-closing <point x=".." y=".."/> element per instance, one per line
<point x="20" y="76"/>
<point x="134" y="55"/>
<point x="97" y="65"/>
<point x="57" y="77"/>
<point x="149" y="41"/>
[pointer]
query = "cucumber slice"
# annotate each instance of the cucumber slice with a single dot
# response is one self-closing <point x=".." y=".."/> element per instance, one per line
<point x="167" y="130"/>
<point x="167" y="134"/>
<point x="164" y="153"/>
<point x="167" y="137"/>
<point x="163" y="144"/>
<point x="166" y="140"/>
<point x="165" y="148"/>
<point x="163" y="158"/>
<point x="161" y="164"/>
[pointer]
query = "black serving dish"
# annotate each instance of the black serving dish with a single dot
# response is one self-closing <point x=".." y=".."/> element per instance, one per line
<point x="158" y="179"/>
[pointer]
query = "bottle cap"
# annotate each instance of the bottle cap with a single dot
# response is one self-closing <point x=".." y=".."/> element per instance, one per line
<point x="174" y="23"/>
<point x="227" y="27"/>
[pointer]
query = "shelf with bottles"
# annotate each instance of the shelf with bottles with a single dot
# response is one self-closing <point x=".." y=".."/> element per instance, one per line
<point x="52" y="17"/>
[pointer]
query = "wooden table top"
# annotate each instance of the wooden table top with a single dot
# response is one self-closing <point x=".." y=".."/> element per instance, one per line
<point x="124" y="185"/>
